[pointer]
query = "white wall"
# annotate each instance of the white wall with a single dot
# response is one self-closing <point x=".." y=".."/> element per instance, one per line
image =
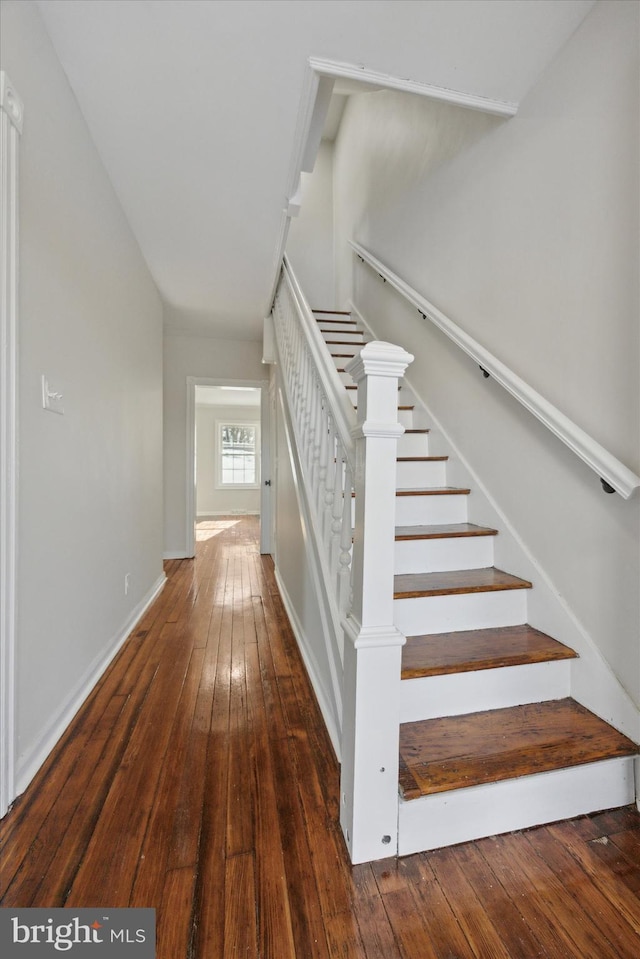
<point x="525" y="232"/>
<point x="310" y="240"/>
<point x="204" y="357"/>
<point x="90" y="483"/>
<point x="210" y="499"/>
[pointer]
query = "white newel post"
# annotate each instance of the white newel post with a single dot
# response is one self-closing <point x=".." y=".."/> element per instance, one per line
<point x="373" y="645"/>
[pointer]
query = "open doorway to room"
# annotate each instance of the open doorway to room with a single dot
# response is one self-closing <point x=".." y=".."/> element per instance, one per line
<point x="228" y="461"/>
<point x="227" y="453"/>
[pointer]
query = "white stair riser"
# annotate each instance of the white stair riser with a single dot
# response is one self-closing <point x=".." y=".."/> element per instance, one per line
<point x="428" y="510"/>
<point x="328" y="320"/>
<point x="353" y="396"/>
<point x="406" y="418"/>
<point x="462" y="815"/>
<point x="413" y="444"/>
<point x="425" y="510"/>
<point x="443" y="614"/>
<point x="349" y="334"/>
<point x="438" y="555"/>
<point x="342" y="354"/>
<point x="347" y="379"/>
<point x="459" y="693"/>
<point x="416" y="474"/>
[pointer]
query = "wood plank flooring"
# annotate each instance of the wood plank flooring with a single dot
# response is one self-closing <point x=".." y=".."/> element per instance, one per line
<point x="198" y="779"/>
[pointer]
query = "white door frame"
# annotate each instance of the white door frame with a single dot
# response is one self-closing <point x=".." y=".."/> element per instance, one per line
<point x="265" y="458"/>
<point x="11" y="114"/>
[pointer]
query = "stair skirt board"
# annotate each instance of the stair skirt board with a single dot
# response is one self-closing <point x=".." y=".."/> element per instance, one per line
<point x="462" y="815"/>
<point x="435" y="555"/>
<point x="454" y="694"/>
<point x="443" y="614"/>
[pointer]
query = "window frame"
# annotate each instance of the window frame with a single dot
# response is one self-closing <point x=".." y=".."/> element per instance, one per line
<point x="220" y="424"/>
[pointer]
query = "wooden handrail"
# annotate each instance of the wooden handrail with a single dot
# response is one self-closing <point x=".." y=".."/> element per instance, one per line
<point x="614" y="475"/>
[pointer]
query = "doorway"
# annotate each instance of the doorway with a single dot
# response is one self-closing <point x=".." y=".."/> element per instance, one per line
<point x="228" y="454"/>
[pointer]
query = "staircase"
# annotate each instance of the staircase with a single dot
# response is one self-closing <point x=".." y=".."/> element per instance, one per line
<point x="490" y="740"/>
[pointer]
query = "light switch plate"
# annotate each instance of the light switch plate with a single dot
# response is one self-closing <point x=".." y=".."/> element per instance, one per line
<point x="51" y="398"/>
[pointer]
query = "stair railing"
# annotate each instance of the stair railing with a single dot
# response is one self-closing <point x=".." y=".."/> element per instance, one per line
<point x="323" y="418"/>
<point x="348" y="468"/>
<point x="614" y="475"/>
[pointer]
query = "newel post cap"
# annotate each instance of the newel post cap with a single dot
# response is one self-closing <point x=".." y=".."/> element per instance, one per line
<point x="379" y="359"/>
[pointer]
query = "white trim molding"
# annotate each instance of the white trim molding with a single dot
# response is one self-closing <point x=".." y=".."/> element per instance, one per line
<point x="11" y="117"/>
<point x="358" y="74"/>
<point x="319" y="80"/>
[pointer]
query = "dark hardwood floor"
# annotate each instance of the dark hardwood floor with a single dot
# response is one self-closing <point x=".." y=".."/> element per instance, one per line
<point x="198" y="779"/>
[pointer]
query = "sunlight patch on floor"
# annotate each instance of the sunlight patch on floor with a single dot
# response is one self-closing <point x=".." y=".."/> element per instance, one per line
<point x="207" y="529"/>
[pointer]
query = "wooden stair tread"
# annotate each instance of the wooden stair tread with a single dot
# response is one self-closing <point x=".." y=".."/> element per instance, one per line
<point x="343" y="343"/>
<point x="421" y="459"/>
<point x="443" y="531"/>
<point x="406" y="431"/>
<point x="335" y="313"/>
<point x="433" y="491"/>
<point x="455" y="582"/>
<point x="438" y="755"/>
<point x="440" y="654"/>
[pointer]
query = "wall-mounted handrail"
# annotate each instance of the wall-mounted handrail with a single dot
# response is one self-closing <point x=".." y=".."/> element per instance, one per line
<point x="614" y="475"/>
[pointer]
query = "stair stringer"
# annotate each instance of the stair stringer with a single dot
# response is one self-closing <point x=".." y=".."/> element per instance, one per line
<point x="592" y="681"/>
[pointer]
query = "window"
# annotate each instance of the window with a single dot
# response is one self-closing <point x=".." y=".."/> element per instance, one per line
<point x="239" y="459"/>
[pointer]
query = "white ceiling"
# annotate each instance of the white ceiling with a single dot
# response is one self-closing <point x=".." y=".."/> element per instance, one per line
<point x="193" y="105"/>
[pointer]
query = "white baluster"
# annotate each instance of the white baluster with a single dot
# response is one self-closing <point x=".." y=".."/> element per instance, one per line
<point x="323" y="453"/>
<point x="317" y="442"/>
<point x="336" y="511"/>
<point x="312" y="427"/>
<point x="329" y="487"/>
<point x="346" y="538"/>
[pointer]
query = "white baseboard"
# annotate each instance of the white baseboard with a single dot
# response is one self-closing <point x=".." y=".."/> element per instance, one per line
<point x="311" y="666"/>
<point x="176" y="554"/>
<point x="31" y="762"/>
